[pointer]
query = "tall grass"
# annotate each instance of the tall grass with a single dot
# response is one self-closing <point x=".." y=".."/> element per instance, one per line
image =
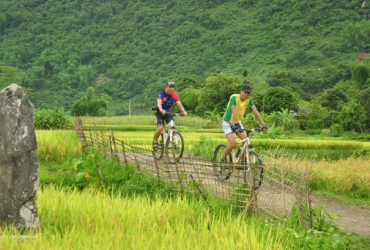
<point x="97" y="220"/>
<point x="58" y="145"/>
<point x="349" y="177"/>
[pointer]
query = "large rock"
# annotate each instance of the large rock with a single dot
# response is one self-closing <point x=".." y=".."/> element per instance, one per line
<point x="19" y="164"/>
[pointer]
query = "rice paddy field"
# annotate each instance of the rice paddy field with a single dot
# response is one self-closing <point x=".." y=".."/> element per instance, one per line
<point x="98" y="220"/>
<point x="347" y="176"/>
<point x="103" y="218"/>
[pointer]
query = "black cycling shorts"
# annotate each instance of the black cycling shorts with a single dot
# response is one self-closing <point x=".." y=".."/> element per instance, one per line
<point x="161" y="118"/>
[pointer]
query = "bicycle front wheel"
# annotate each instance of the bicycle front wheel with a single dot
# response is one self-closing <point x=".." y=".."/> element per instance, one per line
<point x="159" y="153"/>
<point x="257" y="166"/>
<point x="177" y="145"/>
<point x="222" y="169"/>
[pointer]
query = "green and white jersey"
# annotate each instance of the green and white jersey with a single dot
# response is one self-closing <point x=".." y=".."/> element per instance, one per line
<point x="241" y="106"/>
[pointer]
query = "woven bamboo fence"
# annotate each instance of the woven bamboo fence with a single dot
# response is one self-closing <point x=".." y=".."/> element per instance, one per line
<point x="282" y="187"/>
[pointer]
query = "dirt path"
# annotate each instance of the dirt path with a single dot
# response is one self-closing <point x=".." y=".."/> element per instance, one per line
<point x="354" y="219"/>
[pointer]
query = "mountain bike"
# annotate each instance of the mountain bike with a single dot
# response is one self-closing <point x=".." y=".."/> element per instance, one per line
<point x="169" y="139"/>
<point x="225" y="169"/>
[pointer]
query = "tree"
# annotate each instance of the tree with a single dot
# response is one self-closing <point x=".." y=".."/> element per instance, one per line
<point x="281" y="79"/>
<point x="91" y="104"/>
<point x="245" y="74"/>
<point x="217" y="92"/>
<point x="9" y="75"/>
<point x="353" y="116"/>
<point x="188" y="82"/>
<point x="278" y="98"/>
<point x="363" y="98"/>
<point x="332" y="117"/>
<point x="189" y="98"/>
<point x="334" y="99"/>
<point x="285" y="117"/>
<point x="304" y="110"/>
<point x="360" y="73"/>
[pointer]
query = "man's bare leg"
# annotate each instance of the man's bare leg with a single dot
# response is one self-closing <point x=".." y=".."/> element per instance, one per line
<point x="232" y="144"/>
<point x="242" y="136"/>
<point x="157" y="133"/>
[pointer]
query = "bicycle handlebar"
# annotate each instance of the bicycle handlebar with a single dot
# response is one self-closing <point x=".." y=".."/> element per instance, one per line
<point x="174" y="114"/>
<point x="250" y="130"/>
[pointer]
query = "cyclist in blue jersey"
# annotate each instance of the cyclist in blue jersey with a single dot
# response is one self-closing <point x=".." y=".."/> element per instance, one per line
<point x="165" y="100"/>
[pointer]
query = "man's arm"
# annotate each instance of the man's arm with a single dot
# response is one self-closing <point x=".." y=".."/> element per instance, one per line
<point x="233" y="114"/>
<point x="232" y="119"/>
<point x="159" y="105"/>
<point x="181" y="108"/>
<point x="257" y="115"/>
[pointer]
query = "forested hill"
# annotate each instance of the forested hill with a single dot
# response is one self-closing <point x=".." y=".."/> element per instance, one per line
<point x="62" y="47"/>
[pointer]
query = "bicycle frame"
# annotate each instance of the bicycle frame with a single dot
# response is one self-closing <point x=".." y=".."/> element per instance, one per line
<point x="169" y="133"/>
<point x="244" y="149"/>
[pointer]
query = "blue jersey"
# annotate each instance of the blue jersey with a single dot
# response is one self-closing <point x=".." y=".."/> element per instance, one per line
<point x="171" y="99"/>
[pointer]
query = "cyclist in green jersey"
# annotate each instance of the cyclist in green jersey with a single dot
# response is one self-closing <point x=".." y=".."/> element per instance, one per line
<point x="236" y="107"/>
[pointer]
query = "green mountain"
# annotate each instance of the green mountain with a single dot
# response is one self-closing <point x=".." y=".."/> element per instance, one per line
<point x="128" y="49"/>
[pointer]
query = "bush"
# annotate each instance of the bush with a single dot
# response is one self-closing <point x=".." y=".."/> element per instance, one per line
<point x="204" y="147"/>
<point x="336" y="130"/>
<point x="319" y="123"/>
<point x="313" y="131"/>
<point x="311" y="125"/>
<point x="51" y="119"/>
<point x="315" y="124"/>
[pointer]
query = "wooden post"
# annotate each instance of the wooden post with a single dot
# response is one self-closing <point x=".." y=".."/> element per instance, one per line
<point x="92" y="142"/>
<point x="99" y="173"/>
<point x="177" y="169"/>
<point x="247" y="208"/>
<point x="297" y="206"/>
<point x="308" y="193"/>
<point x="253" y="195"/>
<point x="124" y="154"/>
<point x="195" y="170"/>
<point x="96" y="135"/>
<point x="282" y="181"/>
<point x="156" y="165"/>
<point x="200" y="190"/>
<point x="110" y="146"/>
<point x="115" y="147"/>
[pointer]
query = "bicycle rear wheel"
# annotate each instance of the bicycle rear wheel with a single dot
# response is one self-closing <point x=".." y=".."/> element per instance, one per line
<point x="159" y="153"/>
<point x="258" y="167"/>
<point x="222" y="170"/>
<point x="178" y="147"/>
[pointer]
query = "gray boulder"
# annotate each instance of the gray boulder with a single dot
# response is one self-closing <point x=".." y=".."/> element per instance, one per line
<point x="19" y="164"/>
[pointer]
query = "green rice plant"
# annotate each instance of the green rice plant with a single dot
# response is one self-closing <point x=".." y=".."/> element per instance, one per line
<point x="58" y="145"/>
<point x="310" y="144"/>
<point x="80" y="220"/>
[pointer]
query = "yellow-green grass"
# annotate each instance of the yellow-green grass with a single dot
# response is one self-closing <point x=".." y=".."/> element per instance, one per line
<point x="58" y="145"/>
<point x="96" y="220"/>
<point x="191" y="121"/>
<point x="349" y="177"/>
